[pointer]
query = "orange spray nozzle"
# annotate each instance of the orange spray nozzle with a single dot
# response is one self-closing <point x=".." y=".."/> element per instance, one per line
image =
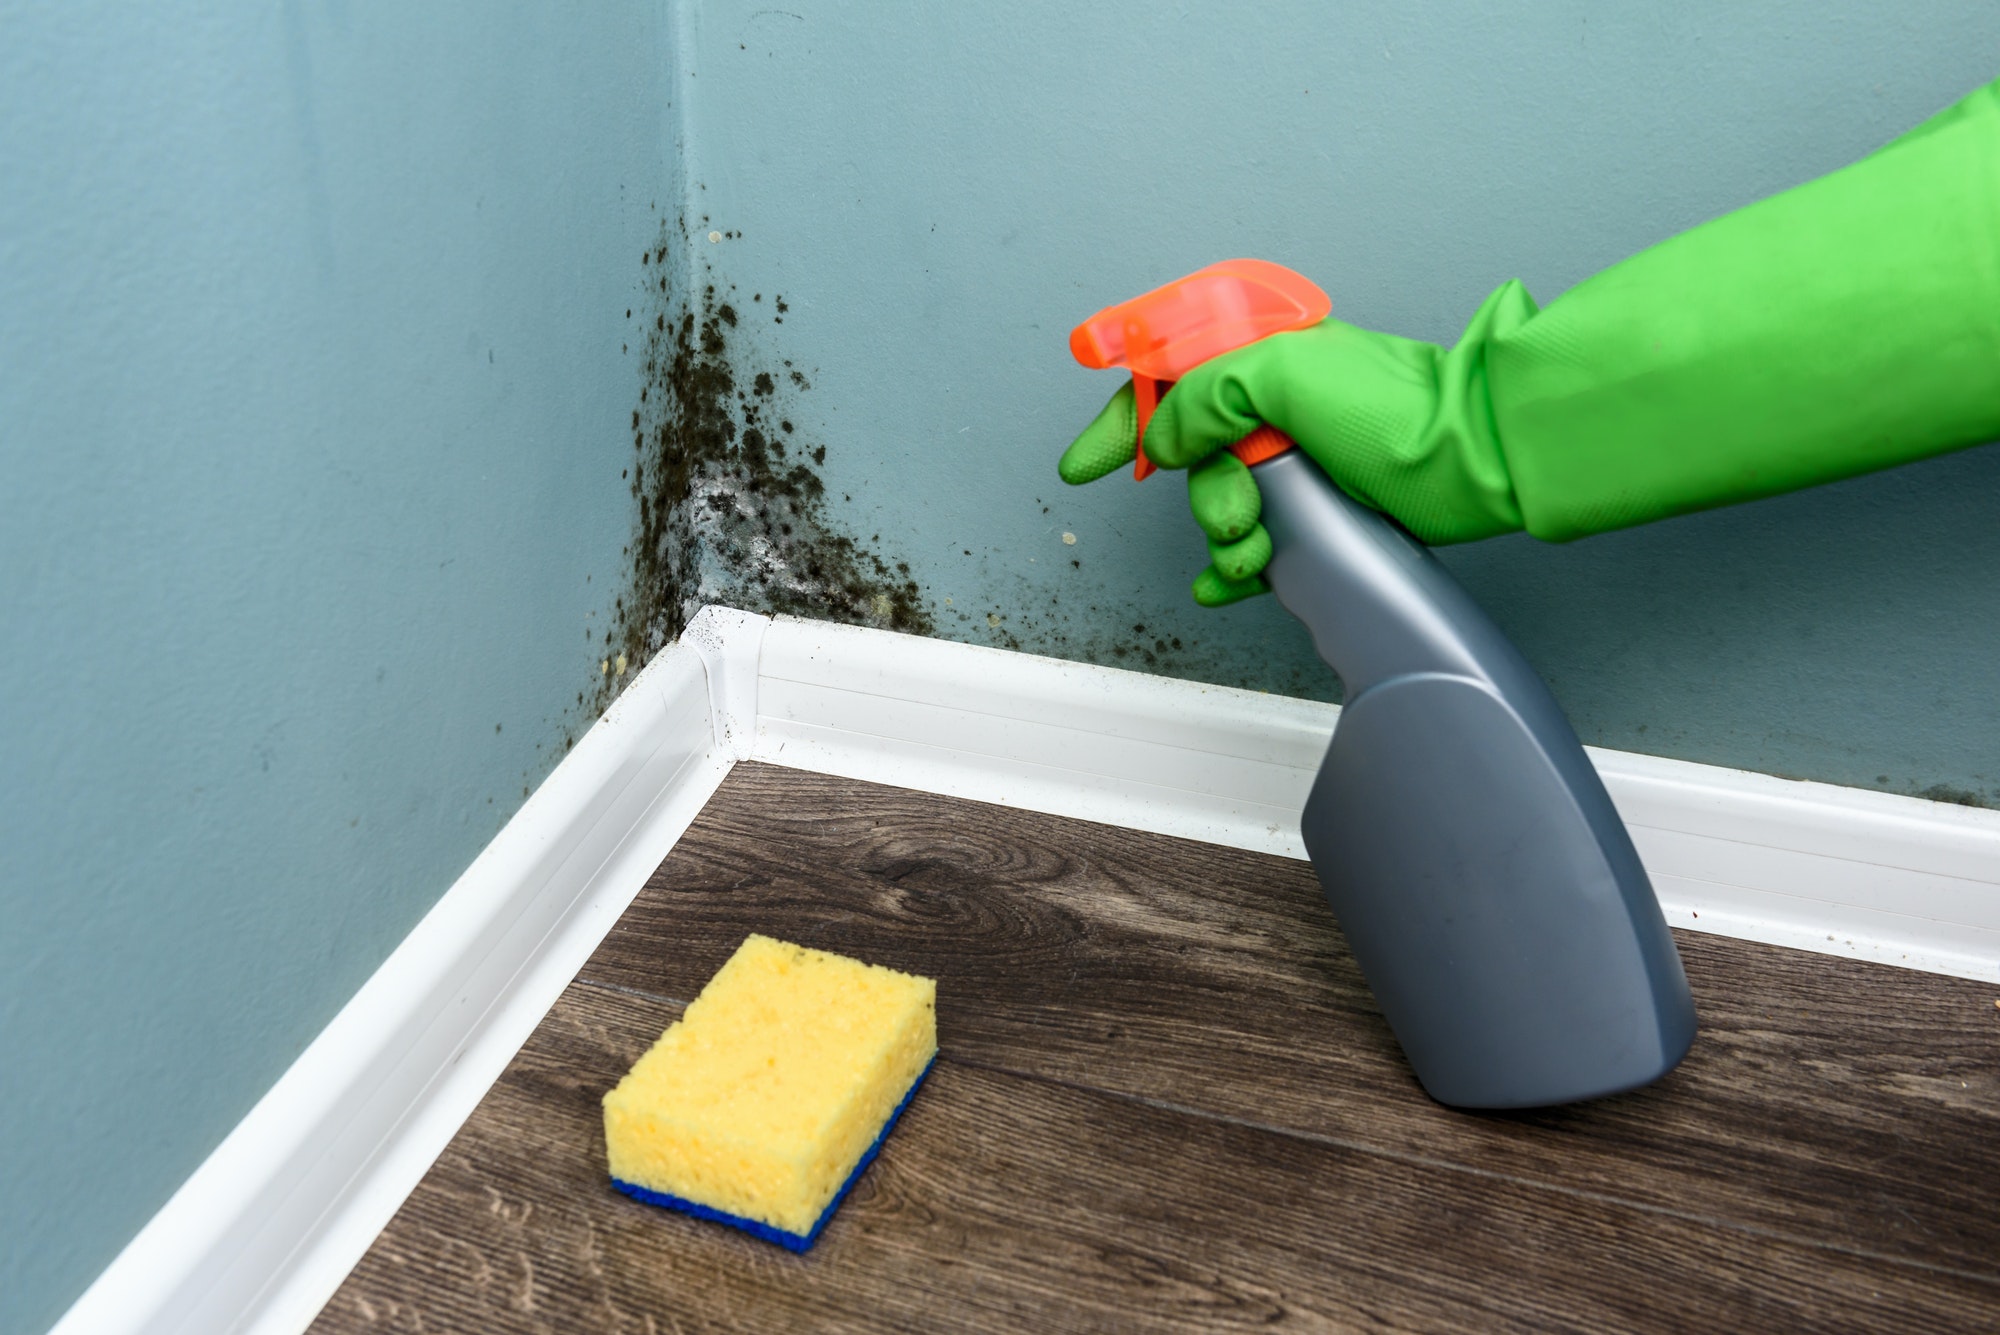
<point x="1161" y="336"/>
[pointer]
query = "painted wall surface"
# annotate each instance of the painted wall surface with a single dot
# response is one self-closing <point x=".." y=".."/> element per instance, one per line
<point x="939" y="192"/>
<point x="312" y="409"/>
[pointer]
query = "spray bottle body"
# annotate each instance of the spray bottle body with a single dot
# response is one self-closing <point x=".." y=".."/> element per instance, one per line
<point x="1467" y="847"/>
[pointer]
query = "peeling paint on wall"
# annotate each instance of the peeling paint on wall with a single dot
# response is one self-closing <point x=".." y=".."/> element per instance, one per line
<point x="732" y="508"/>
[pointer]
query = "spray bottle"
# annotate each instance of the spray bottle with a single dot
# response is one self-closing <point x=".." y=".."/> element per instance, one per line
<point x="1485" y="883"/>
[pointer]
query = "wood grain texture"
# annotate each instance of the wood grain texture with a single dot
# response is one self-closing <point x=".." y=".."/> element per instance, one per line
<point x="1165" y="1100"/>
<point x="1007" y="1201"/>
<point x="1825" y="1098"/>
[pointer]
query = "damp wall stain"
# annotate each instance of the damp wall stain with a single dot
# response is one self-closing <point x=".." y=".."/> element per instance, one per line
<point x="725" y="476"/>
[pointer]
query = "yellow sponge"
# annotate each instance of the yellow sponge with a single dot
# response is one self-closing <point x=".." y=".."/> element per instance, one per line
<point x="763" y="1103"/>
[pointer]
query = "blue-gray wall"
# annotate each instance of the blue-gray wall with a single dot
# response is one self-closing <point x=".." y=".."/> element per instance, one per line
<point x="317" y="391"/>
<point x="941" y="191"/>
<point x="312" y="409"/>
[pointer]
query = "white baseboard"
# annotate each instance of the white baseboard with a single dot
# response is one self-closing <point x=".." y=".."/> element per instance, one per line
<point x="266" y="1229"/>
<point x="1898" y="880"/>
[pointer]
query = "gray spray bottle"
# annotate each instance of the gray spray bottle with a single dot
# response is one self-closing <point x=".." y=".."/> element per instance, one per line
<point x="1485" y="883"/>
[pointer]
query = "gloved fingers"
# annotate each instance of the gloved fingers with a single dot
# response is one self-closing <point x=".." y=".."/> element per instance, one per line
<point x="1106" y="445"/>
<point x="1211" y="589"/>
<point x="1212" y="407"/>
<point x="1243" y="559"/>
<point x="1224" y="497"/>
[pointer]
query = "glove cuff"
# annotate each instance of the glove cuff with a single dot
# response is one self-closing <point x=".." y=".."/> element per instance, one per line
<point x="1442" y="472"/>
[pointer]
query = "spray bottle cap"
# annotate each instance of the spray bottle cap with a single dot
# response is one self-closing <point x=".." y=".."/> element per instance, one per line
<point x="1162" y="335"/>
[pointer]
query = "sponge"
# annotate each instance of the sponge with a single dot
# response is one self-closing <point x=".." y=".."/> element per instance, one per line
<point x="763" y="1103"/>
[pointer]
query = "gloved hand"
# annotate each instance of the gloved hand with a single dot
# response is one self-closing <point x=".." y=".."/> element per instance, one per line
<point x="1402" y="426"/>
<point x="1850" y="324"/>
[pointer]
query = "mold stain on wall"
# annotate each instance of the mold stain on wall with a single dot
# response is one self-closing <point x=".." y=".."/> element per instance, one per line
<point x="732" y="508"/>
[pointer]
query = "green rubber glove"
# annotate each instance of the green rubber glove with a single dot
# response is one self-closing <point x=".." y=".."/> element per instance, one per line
<point x="1847" y="325"/>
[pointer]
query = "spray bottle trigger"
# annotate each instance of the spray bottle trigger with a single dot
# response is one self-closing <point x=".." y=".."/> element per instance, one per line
<point x="1266" y="442"/>
<point x="1146" y="393"/>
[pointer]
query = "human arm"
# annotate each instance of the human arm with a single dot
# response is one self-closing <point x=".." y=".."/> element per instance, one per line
<point x="1847" y="325"/>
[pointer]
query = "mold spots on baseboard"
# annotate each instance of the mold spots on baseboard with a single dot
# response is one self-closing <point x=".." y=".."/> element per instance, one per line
<point x="731" y="505"/>
<point x="1935" y="792"/>
<point x="1964" y="797"/>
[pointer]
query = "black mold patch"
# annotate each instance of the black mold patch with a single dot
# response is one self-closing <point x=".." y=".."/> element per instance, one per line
<point x="1944" y="792"/>
<point x="731" y="507"/>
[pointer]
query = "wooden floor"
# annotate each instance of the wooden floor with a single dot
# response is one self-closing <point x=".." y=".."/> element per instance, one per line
<point x="1165" y="1101"/>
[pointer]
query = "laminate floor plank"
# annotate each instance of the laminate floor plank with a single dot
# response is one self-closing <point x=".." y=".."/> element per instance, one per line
<point x="1165" y="1100"/>
<point x="1829" y="1101"/>
<point x="1009" y="1202"/>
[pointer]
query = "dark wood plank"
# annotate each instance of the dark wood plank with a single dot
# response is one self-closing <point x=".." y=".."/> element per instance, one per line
<point x="1010" y="1202"/>
<point x="1830" y="1102"/>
